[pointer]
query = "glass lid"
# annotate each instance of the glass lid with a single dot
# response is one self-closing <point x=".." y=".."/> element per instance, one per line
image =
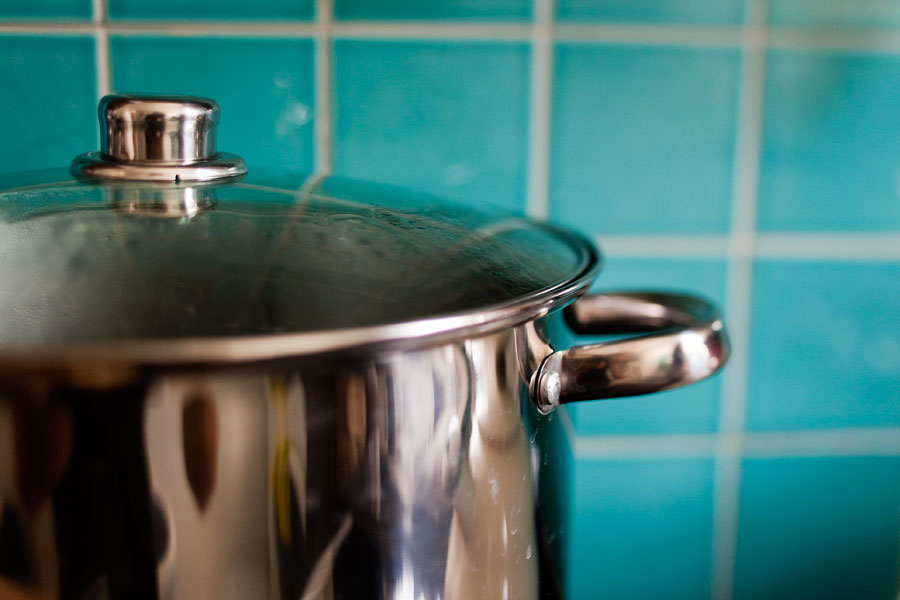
<point x="193" y="260"/>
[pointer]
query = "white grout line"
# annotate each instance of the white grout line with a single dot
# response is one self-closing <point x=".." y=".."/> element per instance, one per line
<point x="46" y="28"/>
<point x="773" y="246"/>
<point x="871" y="441"/>
<point x="729" y="445"/>
<point x="835" y="39"/>
<point x="829" y="246"/>
<point x="680" y="246"/>
<point x="649" y="34"/>
<point x="620" y="33"/>
<point x="413" y="30"/>
<point x="324" y="109"/>
<point x="219" y="29"/>
<point x="170" y="28"/>
<point x="726" y="514"/>
<point x="674" y="446"/>
<point x="540" y="107"/>
<point x="101" y="41"/>
<point x="429" y="30"/>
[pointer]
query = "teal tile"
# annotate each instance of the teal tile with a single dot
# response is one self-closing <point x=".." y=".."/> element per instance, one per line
<point x="825" y="345"/>
<point x="213" y="10"/>
<point x="824" y="528"/>
<point x="45" y="10"/>
<point x="830" y="158"/>
<point x="818" y="13"/>
<point x="48" y="99"/>
<point x="448" y="118"/>
<point x="687" y="410"/>
<point x="643" y="138"/>
<point x="641" y="529"/>
<point x="718" y="12"/>
<point x="263" y="86"/>
<point x="433" y="9"/>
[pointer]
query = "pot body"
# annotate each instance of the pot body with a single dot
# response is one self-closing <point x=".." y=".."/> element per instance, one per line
<point x="401" y="474"/>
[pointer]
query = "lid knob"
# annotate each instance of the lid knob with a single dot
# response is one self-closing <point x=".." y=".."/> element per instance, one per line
<point x="166" y="129"/>
<point x="160" y="138"/>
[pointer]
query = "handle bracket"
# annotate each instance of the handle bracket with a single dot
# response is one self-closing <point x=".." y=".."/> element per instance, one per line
<point x="688" y="343"/>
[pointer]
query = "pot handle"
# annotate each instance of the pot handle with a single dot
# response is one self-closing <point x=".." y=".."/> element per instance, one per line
<point x="688" y="343"/>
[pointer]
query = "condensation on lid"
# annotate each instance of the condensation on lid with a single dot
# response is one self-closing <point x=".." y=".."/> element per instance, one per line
<point x="97" y="263"/>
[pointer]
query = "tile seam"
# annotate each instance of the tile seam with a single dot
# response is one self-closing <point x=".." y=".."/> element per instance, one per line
<point x="322" y="76"/>
<point x="865" y="41"/>
<point x="432" y="30"/>
<point x="101" y="41"/>
<point x="637" y="34"/>
<point x="863" y="246"/>
<point x="541" y="85"/>
<point x="846" y="442"/>
<point x="46" y="29"/>
<point x="307" y="30"/>
<point x="783" y="245"/>
<point x="681" y="246"/>
<point x="739" y="290"/>
<point x="869" y="41"/>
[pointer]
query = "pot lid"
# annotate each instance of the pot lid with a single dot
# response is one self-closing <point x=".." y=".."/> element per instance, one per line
<point x="160" y="249"/>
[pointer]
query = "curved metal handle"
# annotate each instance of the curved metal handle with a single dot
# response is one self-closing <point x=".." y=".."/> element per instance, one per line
<point x="689" y="344"/>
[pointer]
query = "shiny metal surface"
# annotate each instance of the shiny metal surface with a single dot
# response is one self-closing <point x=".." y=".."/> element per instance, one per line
<point x="95" y="165"/>
<point x="404" y="475"/>
<point x="158" y="138"/>
<point x="181" y="202"/>
<point x="384" y="475"/>
<point x="690" y="344"/>
<point x="162" y="129"/>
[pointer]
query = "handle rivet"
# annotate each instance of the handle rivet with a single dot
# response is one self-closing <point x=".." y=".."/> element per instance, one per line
<point x="550" y="389"/>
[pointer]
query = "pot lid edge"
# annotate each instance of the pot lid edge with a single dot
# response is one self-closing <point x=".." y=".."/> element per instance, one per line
<point x="220" y="351"/>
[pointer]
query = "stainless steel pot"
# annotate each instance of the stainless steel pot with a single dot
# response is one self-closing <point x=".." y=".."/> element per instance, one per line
<point x="225" y="384"/>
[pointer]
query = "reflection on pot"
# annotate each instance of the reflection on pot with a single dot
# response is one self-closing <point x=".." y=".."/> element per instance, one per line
<point x="493" y="548"/>
<point x="395" y="476"/>
<point x="149" y="200"/>
<point x="205" y="440"/>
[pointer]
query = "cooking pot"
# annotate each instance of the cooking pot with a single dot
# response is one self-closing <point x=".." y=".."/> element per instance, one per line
<point x="226" y="383"/>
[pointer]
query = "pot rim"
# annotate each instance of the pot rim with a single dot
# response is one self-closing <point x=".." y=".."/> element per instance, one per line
<point x="354" y="340"/>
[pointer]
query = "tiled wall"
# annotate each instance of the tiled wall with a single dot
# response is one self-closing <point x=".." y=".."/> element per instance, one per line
<point x="749" y="150"/>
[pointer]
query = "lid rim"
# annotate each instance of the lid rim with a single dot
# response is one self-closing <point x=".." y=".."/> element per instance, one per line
<point x="96" y="165"/>
<point x="222" y="351"/>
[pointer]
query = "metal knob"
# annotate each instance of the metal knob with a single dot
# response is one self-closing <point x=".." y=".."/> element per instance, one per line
<point x="158" y="138"/>
<point x="171" y="129"/>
